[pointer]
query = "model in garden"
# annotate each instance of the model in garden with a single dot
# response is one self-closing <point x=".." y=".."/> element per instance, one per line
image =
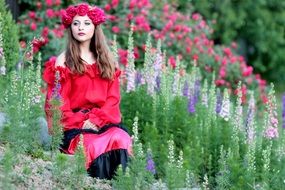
<point x="85" y="78"/>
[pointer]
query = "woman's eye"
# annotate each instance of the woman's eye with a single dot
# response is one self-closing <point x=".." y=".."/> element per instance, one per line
<point x="75" y="23"/>
<point x="87" y="23"/>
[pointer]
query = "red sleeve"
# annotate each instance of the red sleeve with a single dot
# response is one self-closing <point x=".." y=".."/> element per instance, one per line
<point x="61" y="90"/>
<point x="110" y="111"/>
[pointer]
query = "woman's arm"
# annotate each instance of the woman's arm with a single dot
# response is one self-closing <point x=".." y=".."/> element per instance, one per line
<point x="110" y="111"/>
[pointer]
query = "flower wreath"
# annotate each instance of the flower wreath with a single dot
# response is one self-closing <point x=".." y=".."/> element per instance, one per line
<point x="96" y="14"/>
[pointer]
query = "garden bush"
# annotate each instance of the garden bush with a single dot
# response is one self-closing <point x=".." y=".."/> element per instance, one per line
<point x="184" y="36"/>
<point x="249" y="23"/>
<point x="9" y="40"/>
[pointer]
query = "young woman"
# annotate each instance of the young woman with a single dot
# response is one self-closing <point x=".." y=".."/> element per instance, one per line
<point x="87" y="82"/>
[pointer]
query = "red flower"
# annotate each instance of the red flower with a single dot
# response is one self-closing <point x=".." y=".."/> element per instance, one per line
<point x="234" y="45"/>
<point x="115" y="3"/>
<point x="208" y="68"/>
<point x="45" y="31"/>
<point x="112" y="18"/>
<point x="50" y="13"/>
<point x="39" y="5"/>
<point x="82" y="9"/>
<point x="32" y="14"/>
<point x="224" y="61"/>
<point x="107" y="7"/>
<point x="23" y="44"/>
<point x="97" y="16"/>
<point x="228" y="52"/>
<point x="29" y="56"/>
<point x="132" y="4"/>
<point x="136" y="53"/>
<point x="115" y="29"/>
<point x="196" y="16"/>
<point x="222" y="72"/>
<point x="188" y="49"/>
<point x="264" y="99"/>
<point x="57" y="2"/>
<point x="217" y="58"/>
<point x="220" y="82"/>
<point x="195" y="57"/>
<point x="210" y="51"/>
<point x="26" y="21"/>
<point x="166" y="8"/>
<point x="130" y="16"/>
<point x="71" y="11"/>
<point x="37" y="44"/>
<point x="33" y="26"/>
<point x="66" y="20"/>
<point x="172" y="61"/>
<point x="233" y="59"/>
<point x="123" y="56"/>
<point x="49" y="3"/>
<point x="247" y="71"/>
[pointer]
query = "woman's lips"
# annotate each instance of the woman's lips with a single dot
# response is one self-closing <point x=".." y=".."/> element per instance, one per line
<point x="81" y="34"/>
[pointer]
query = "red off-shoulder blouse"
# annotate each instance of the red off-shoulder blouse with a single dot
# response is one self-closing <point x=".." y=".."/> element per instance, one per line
<point x="87" y="91"/>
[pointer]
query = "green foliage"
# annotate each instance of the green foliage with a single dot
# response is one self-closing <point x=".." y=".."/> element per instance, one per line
<point x="6" y="167"/>
<point x="250" y="23"/>
<point x="10" y="37"/>
<point x="23" y="105"/>
<point x="69" y="170"/>
<point x="136" y="176"/>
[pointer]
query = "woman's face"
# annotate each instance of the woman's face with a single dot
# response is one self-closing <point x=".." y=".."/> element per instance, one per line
<point x="82" y="28"/>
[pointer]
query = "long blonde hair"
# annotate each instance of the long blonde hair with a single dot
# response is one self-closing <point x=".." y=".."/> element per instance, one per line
<point x="98" y="46"/>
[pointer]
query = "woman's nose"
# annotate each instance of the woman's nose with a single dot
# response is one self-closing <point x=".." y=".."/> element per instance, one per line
<point x="80" y="27"/>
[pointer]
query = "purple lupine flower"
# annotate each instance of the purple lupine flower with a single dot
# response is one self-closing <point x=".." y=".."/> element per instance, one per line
<point x="249" y="118"/>
<point x="283" y="111"/>
<point x="249" y="125"/>
<point x="131" y="77"/>
<point x="157" y="65"/>
<point x="197" y="86"/>
<point x="185" y="91"/>
<point x="158" y="82"/>
<point x="138" y="80"/>
<point x="219" y="102"/>
<point x="191" y="104"/>
<point x="56" y="89"/>
<point x="271" y="132"/>
<point x="150" y="165"/>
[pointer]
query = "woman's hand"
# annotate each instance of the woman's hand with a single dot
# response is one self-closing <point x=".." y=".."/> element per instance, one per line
<point x="89" y="125"/>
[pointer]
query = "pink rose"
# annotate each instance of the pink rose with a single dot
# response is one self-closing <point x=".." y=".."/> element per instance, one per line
<point x="115" y="3"/>
<point x="32" y="14"/>
<point x="45" y="31"/>
<point x="115" y="29"/>
<point x="50" y="13"/>
<point x="107" y="7"/>
<point x="82" y="9"/>
<point x="196" y="16"/>
<point x="71" y="11"/>
<point x="97" y="16"/>
<point x="66" y="20"/>
<point x="39" y="5"/>
<point x="33" y="26"/>
<point x="195" y="57"/>
<point x="49" y="3"/>
<point x="220" y="82"/>
<point x="26" y="21"/>
<point x="57" y="2"/>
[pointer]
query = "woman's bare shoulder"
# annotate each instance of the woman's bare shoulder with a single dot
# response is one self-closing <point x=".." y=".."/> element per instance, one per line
<point x="60" y="60"/>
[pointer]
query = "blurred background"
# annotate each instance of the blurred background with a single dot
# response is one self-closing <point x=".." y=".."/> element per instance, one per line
<point x="256" y="26"/>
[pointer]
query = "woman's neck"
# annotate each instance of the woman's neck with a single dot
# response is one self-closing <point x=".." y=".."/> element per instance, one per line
<point x="85" y="52"/>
